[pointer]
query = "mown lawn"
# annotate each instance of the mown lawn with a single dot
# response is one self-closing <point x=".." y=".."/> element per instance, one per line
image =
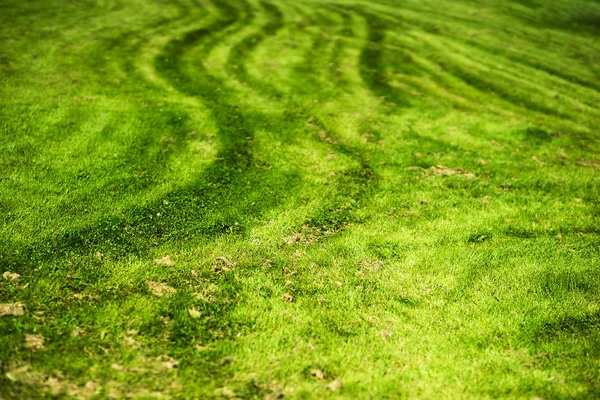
<point x="300" y="199"/>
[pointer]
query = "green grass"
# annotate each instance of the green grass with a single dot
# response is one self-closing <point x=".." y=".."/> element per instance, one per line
<point x="406" y="195"/>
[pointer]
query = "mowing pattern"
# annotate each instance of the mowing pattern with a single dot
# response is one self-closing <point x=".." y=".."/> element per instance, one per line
<point x="364" y="199"/>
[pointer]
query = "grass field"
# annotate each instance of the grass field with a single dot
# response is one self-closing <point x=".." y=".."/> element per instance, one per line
<point x="300" y="199"/>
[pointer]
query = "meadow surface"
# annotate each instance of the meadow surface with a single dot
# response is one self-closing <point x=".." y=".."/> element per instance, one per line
<point x="300" y="199"/>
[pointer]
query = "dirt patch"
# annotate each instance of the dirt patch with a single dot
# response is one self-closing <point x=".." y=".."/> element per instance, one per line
<point x="34" y="342"/>
<point x="131" y="342"/>
<point x="168" y="362"/>
<point x="335" y="385"/>
<point x="166" y="261"/>
<point x="208" y="294"/>
<point x="160" y="289"/>
<point x="287" y="298"/>
<point x="88" y="297"/>
<point x="317" y="373"/>
<point x="54" y="384"/>
<point x="15" y="309"/>
<point x="77" y="332"/>
<point x="306" y="236"/>
<point x="589" y="163"/>
<point x="295" y="238"/>
<point x="194" y="313"/>
<point x="57" y="387"/>
<point x="10" y="276"/>
<point x="226" y="265"/>
<point x="440" y="170"/>
<point x="372" y="265"/>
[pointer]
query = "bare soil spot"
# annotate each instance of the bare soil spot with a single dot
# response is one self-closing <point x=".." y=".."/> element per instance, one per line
<point x="287" y="298"/>
<point x="34" y="342"/>
<point x="15" y="309"/>
<point x="440" y="170"/>
<point x="336" y="385"/>
<point x="160" y="289"/>
<point x="194" y="313"/>
<point x="226" y="264"/>
<point x="317" y="373"/>
<point x="11" y="276"/>
<point x="168" y="362"/>
<point x="166" y="261"/>
<point x="589" y="163"/>
<point x="77" y="332"/>
<point x="306" y="236"/>
<point x="228" y="392"/>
